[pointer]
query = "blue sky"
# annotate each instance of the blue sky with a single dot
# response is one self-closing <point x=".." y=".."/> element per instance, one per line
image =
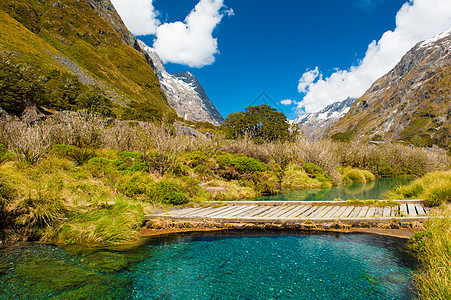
<point x="267" y="46"/>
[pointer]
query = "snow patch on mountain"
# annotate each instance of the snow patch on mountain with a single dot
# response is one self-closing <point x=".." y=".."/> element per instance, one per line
<point x="314" y="125"/>
<point x="184" y="92"/>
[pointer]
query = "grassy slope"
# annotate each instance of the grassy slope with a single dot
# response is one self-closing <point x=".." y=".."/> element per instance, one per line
<point x="80" y="34"/>
<point x="419" y="108"/>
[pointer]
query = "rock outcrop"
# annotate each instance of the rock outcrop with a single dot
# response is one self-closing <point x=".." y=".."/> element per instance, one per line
<point x="184" y="93"/>
<point x="412" y="103"/>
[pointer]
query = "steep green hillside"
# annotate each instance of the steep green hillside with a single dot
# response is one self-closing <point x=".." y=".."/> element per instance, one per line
<point x="79" y="47"/>
<point x="411" y="104"/>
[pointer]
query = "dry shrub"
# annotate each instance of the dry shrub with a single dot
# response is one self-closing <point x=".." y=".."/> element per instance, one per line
<point x="321" y="153"/>
<point x="81" y="129"/>
<point x="122" y="136"/>
<point x="28" y="143"/>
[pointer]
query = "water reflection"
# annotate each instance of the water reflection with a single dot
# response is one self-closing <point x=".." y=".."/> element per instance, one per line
<point x="365" y="191"/>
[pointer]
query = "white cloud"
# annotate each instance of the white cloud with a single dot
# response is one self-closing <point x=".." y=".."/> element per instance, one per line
<point x="417" y="20"/>
<point x="191" y="42"/>
<point x="138" y="15"/>
<point x="307" y="79"/>
<point x="287" y="102"/>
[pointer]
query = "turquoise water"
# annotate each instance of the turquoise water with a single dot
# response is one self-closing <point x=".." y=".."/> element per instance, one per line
<point x="365" y="191"/>
<point x="216" y="266"/>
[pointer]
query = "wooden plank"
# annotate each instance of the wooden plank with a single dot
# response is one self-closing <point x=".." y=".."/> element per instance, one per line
<point x="231" y="212"/>
<point x="363" y="212"/>
<point x="295" y="212"/>
<point x="306" y="214"/>
<point x="270" y="210"/>
<point x="395" y="211"/>
<point x="225" y="210"/>
<point x="331" y="212"/>
<point x="387" y="211"/>
<point x="184" y="211"/>
<point x="411" y="209"/>
<point x="283" y="214"/>
<point x="347" y="212"/>
<point x="274" y="210"/>
<point x="192" y="211"/>
<point x="257" y="212"/>
<point x="379" y="212"/>
<point x="403" y="210"/>
<point x="283" y="209"/>
<point x="320" y="212"/>
<point x="370" y="212"/>
<point x="339" y="212"/>
<point x="355" y="212"/>
<point x="420" y="209"/>
<point x="299" y="211"/>
<point x="205" y="211"/>
<point x="246" y="212"/>
<point x="242" y="211"/>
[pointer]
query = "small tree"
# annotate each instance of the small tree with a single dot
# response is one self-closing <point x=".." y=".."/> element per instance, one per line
<point x="261" y="123"/>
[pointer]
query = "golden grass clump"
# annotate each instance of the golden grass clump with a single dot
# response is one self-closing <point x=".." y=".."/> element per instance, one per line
<point x="352" y="175"/>
<point x="433" y="188"/>
<point x="433" y="281"/>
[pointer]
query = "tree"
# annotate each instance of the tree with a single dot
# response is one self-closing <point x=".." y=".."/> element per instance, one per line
<point x="261" y="123"/>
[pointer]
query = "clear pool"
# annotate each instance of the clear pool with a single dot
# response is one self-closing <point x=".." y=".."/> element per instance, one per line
<point x="262" y="265"/>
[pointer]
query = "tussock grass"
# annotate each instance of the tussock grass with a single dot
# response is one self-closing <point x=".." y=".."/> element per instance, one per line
<point x="297" y="178"/>
<point x="229" y="191"/>
<point x="433" y="281"/>
<point x="351" y="175"/>
<point x="434" y="188"/>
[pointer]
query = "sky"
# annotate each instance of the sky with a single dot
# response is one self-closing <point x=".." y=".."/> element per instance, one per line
<point x="296" y="55"/>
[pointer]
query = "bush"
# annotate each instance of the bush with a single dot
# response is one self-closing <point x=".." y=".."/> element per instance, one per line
<point x="130" y="162"/>
<point x="79" y="155"/>
<point x="245" y="164"/>
<point x="169" y="193"/>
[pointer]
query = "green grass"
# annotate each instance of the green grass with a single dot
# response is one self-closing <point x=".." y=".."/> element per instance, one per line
<point x="433" y="248"/>
<point x="433" y="188"/>
<point x="73" y="31"/>
<point x="351" y="175"/>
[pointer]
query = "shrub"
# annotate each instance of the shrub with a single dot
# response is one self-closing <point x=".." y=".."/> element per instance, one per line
<point x="203" y="172"/>
<point x="130" y="162"/>
<point x="79" y="155"/>
<point x="169" y="193"/>
<point x="245" y="164"/>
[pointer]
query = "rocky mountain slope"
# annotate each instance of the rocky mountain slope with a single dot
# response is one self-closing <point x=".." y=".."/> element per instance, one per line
<point x="314" y="125"/>
<point x="412" y="103"/>
<point x="78" y="47"/>
<point x="184" y="93"/>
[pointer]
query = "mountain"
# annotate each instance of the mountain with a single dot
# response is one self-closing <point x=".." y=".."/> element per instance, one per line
<point x="80" y="55"/>
<point x="410" y="104"/>
<point x="314" y="125"/>
<point x="184" y="93"/>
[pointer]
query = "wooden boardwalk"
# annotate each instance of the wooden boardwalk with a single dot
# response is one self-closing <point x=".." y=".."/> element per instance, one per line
<point x="297" y="212"/>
